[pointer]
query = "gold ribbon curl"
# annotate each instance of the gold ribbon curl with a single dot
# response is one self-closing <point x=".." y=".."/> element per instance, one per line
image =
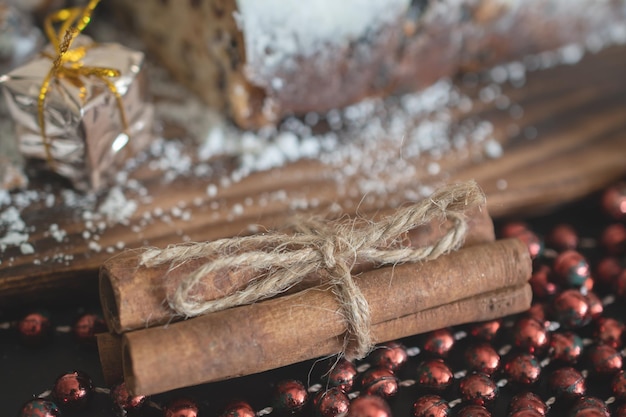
<point x="67" y="63"/>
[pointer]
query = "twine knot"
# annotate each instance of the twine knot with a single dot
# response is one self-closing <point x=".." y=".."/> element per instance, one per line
<point x="277" y="261"/>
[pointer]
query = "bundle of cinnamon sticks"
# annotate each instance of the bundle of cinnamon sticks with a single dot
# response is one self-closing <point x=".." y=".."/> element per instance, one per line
<point x="485" y="279"/>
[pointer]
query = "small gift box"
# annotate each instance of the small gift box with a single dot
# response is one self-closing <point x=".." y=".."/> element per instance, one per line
<point x="81" y="106"/>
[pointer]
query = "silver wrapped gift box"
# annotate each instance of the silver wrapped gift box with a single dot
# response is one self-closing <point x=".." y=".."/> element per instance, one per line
<point x="85" y="140"/>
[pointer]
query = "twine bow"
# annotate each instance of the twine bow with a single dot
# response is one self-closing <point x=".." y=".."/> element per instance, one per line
<point x="67" y="63"/>
<point x="281" y="261"/>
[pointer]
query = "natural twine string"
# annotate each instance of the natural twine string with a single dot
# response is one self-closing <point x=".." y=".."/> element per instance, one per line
<point x="279" y="261"/>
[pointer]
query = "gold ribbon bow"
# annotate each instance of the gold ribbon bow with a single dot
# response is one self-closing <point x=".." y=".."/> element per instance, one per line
<point x="68" y="62"/>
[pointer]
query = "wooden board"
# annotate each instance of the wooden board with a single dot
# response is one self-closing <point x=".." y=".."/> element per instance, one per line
<point x="577" y="113"/>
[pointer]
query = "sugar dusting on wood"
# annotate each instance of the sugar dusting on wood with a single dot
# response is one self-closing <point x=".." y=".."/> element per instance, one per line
<point x="370" y="149"/>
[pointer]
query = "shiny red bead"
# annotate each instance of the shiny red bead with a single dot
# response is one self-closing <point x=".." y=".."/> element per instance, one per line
<point x="181" y="407"/>
<point x="571" y="309"/>
<point x="482" y="357"/>
<point x="34" y="328"/>
<point x="620" y="411"/>
<point x="530" y="335"/>
<point x="487" y="330"/>
<point x="589" y="407"/>
<point x="123" y="401"/>
<point x="526" y="413"/>
<point x="473" y="411"/>
<point x="439" y="342"/>
<point x="541" y="285"/>
<point x="391" y="355"/>
<point x="567" y="383"/>
<point x="379" y="381"/>
<point x="562" y="237"/>
<point x="523" y="369"/>
<point x="614" y="201"/>
<point x="614" y="239"/>
<point x="39" y="407"/>
<point x="238" y="409"/>
<point x="565" y="347"/>
<point x="431" y="406"/>
<point x="619" y="285"/>
<point x="607" y="270"/>
<point x="609" y="332"/>
<point x="434" y="374"/>
<point x="342" y="374"/>
<point x="605" y="360"/>
<point x="528" y="401"/>
<point x="538" y="311"/>
<point x="291" y="396"/>
<point x="478" y="389"/>
<point x="596" y="308"/>
<point x="571" y="268"/>
<point x="369" y="406"/>
<point x="73" y="390"/>
<point x="330" y="403"/>
<point x="87" y="326"/>
<point x="618" y="386"/>
<point x="520" y="230"/>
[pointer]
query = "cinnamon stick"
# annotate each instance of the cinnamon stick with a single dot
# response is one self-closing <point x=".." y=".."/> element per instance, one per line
<point x="110" y="353"/>
<point x="482" y="307"/>
<point x="308" y="324"/>
<point x="133" y="296"/>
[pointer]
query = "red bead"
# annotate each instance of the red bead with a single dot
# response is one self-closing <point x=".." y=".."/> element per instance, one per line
<point x="39" y="407"/>
<point x="87" y="326"/>
<point x="530" y="335"/>
<point x="521" y="231"/>
<point x="72" y="390"/>
<point x="609" y="332"/>
<point x="605" y="360"/>
<point x="567" y="383"/>
<point x="390" y="355"/>
<point x="238" y="409"/>
<point x="571" y="268"/>
<point x="562" y="237"/>
<point x="595" y="305"/>
<point x="379" y="381"/>
<point x="431" y="406"/>
<point x="342" y="375"/>
<point x="614" y="239"/>
<point x="607" y="270"/>
<point x="123" y="401"/>
<point x="566" y="347"/>
<point x="478" y="388"/>
<point x="473" y="411"/>
<point x="589" y="407"/>
<point x="434" y="374"/>
<point x="369" y="406"/>
<point x="181" y="407"/>
<point x="486" y="330"/>
<point x="526" y="413"/>
<point x="571" y="309"/>
<point x="482" y="357"/>
<point x="291" y="396"/>
<point x="614" y="201"/>
<point x="439" y="342"/>
<point x="618" y="386"/>
<point x="540" y="283"/>
<point x="619" y="285"/>
<point x="523" y="369"/>
<point x="538" y="311"/>
<point x="620" y="411"/>
<point x="329" y="403"/>
<point x="34" y="328"/>
<point x="528" y="401"/>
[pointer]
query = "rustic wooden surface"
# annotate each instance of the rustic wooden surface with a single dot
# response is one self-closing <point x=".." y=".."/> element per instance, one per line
<point x="578" y="111"/>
